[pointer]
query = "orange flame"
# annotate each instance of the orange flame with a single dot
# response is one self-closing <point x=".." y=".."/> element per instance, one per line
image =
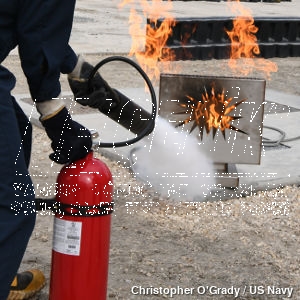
<point x="211" y="112"/>
<point x="244" y="48"/>
<point x="149" y="44"/>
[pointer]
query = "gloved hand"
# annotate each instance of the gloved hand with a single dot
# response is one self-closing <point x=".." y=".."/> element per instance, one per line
<point x="70" y="140"/>
<point x="100" y="95"/>
<point x="109" y="101"/>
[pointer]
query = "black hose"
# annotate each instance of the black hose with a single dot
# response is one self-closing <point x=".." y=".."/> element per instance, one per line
<point x="150" y="126"/>
<point x="280" y="140"/>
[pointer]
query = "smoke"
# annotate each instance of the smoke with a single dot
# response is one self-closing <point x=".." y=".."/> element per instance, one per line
<point x="173" y="164"/>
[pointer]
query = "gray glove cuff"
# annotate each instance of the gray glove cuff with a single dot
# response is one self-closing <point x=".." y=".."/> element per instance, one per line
<point x="50" y="108"/>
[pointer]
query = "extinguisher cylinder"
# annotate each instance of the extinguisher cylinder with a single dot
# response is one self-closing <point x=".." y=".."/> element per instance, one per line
<point x="81" y="236"/>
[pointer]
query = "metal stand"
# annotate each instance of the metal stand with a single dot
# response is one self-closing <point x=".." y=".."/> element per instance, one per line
<point x="226" y="175"/>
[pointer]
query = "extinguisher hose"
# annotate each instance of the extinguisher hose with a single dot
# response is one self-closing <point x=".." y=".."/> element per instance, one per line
<point x="127" y="107"/>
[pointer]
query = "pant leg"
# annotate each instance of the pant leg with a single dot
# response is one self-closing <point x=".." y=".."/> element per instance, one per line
<point x="44" y="53"/>
<point x="17" y="207"/>
<point x="43" y="32"/>
<point x="25" y="129"/>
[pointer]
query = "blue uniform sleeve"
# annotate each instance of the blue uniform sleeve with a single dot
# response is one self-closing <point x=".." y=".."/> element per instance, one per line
<point x="43" y="33"/>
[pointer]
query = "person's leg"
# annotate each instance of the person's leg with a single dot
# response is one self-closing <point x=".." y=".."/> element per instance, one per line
<point x="25" y="129"/>
<point x="17" y="205"/>
<point x="44" y="53"/>
<point x="17" y="208"/>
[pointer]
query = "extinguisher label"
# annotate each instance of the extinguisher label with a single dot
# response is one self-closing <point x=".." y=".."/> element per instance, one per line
<point x="67" y="237"/>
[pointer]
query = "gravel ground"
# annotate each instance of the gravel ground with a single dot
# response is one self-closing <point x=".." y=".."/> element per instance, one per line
<point x="250" y="243"/>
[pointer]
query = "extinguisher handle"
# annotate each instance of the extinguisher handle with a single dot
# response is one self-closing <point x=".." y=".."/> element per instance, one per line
<point x="45" y="204"/>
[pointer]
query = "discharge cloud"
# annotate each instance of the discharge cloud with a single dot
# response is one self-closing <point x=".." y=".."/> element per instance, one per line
<point x="174" y="164"/>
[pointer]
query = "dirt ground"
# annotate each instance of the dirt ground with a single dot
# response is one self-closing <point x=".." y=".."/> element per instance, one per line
<point x="251" y="243"/>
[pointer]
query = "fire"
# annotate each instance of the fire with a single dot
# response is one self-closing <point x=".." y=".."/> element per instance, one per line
<point x="149" y="44"/>
<point x="244" y="48"/>
<point x="210" y="112"/>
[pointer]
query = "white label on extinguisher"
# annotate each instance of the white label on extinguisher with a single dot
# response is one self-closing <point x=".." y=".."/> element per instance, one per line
<point x="67" y="237"/>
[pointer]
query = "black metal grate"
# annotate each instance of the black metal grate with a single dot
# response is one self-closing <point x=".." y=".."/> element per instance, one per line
<point x="205" y="38"/>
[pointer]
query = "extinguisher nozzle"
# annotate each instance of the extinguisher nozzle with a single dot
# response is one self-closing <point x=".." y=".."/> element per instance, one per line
<point x="127" y="113"/>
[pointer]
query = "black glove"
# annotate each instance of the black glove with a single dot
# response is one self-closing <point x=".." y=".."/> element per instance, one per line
<point x="70" y="140"/>
<point x="109" y="101"/>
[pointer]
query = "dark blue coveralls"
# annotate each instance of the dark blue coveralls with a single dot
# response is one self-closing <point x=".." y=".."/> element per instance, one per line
<point x="41" y="30"/>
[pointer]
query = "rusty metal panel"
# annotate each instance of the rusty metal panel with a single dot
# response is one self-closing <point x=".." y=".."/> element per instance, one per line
<point x="225" y="113"/>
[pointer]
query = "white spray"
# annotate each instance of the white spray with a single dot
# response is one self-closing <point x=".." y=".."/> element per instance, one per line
<point x="172" y="162"/>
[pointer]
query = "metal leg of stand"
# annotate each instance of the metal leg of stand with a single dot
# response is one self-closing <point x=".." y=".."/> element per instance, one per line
<point x="226" y="175"/>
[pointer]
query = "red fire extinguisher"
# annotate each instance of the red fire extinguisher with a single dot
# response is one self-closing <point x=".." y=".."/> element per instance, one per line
<point x="82" y="231"/>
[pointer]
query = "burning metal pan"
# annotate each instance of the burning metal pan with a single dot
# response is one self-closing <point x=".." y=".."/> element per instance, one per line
<point x="224" y="113"/>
